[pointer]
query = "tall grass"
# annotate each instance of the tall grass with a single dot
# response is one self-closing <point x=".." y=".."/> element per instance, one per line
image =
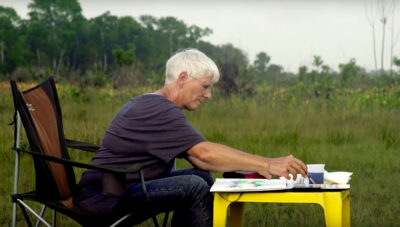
<point x="354" y="130"/>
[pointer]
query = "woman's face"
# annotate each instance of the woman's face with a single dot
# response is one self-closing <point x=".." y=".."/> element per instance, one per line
<point x="196" y="91"/>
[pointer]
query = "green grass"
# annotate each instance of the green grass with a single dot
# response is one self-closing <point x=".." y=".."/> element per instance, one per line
<point x="355" y="130"/>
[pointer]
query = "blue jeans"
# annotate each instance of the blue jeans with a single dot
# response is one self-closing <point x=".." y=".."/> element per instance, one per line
<point x="185" y="191"/>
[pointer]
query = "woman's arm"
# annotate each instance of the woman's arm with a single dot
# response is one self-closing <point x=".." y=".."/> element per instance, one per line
<point x="217" y="157"/>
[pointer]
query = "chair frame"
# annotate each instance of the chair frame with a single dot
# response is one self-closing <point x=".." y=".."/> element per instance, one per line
<point x="18" y="199"/>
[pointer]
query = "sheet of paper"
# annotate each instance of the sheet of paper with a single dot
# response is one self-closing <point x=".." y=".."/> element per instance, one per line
<point x="242" y="185"/>
<point x="253" y="185"/>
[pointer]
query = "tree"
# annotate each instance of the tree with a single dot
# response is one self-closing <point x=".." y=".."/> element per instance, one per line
<point x="13" y="48"/>
<point x="274" y="72"/>
<point x="59" y="22"/>
<point x="383" y="9"/>
<point x="174" y="30"/>
<point x="303" y="73"/>
<point x="229" y="53"/>
<point x="124" y="57"/>
<point x="126" y="73"/>
<point x="371" y="17"/>
<point x="195" y="33"/>
<point x="396" y="62"/>
<point x="231" y="62"/>
<point x="326" y="70"/>
<point x="8" y="29"/>
<point x="317" y="62"/>
<point x="349" y="70"/>
<point x="166" y="35"/>
<point x="261" y="62"/>
<point x="208" y="49"/>
<point x="103" y="38"/>
<point x="131" y="36"/>
<point x="394" y="39"/>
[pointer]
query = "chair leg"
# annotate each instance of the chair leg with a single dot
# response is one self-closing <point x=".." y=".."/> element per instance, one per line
<point x="120" y="220"/>
<point x="16" y="167"/>
<point x="23" y="206"/>
<point x="54" y="219"/>
<point x="165" y="222"/>
<point x="41" y="215"/>
<point x="28" y="221"/>
<point x="155" y="221"/>
<point x="146" y="195"/>
<point x="14" y="215"/>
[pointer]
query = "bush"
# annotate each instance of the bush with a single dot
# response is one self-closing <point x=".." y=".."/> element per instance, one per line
<point x="21" y="74"/>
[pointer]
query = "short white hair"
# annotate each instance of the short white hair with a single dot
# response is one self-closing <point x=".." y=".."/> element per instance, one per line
<point x="192" y="61"/>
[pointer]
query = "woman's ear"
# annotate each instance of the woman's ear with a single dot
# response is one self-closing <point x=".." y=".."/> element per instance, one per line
<point x="182" y="78"/>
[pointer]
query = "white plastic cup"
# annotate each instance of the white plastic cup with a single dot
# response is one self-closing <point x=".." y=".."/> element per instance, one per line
<point x="316" y="168"/>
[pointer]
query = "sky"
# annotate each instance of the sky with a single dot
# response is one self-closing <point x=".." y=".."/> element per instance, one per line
<point x="291" y="32"/>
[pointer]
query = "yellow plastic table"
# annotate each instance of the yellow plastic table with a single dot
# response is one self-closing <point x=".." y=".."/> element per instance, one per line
<point x="336" y="204"/>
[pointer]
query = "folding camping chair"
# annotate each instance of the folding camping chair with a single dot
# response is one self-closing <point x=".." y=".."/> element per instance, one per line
<point x="39" y="110"/>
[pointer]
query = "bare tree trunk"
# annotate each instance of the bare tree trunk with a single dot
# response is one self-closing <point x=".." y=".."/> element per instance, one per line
<point x="371" y="17"/>
<point x="92" y="62"/>
<point x="383" y="42"/>
<point x="115" y="78"/>
<point x="105" y="63"/>
<point x="384" y="10"/>
<point x="391" y="52"/>
<point x="170" y="44"/>
<point x="381" y="5"/>
<point x="392" y="42"/>
<point x="60" y="61"/>
<point x="374" y="44"/>
<point x="74" y="61"/>
<point x="54" y="64"/>
<point x="75" y="55"/>
<point x="37" y="57"/>
<point x="2" y="52"/>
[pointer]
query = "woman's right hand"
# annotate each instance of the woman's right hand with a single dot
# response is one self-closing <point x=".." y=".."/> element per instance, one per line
<point x="281" y="167"/>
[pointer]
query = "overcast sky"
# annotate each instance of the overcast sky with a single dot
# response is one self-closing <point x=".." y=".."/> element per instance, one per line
<point x="290" y="31"/>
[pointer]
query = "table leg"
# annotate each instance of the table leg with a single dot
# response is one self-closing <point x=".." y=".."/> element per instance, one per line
<point x="237" y="215"/>
<point x="346" y="211"/>
<point x="220" y="210"/>
<point x="333" y="209"/>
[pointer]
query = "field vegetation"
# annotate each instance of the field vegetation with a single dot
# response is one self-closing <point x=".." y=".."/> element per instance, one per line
<point x="353" y="130"/>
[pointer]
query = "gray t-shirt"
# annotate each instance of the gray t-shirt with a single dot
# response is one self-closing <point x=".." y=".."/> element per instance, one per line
<point x="150" y="130"/>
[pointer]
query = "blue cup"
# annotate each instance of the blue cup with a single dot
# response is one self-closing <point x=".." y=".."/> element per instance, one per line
<point x="316" y="172"/>
<point x="317" y="177"/>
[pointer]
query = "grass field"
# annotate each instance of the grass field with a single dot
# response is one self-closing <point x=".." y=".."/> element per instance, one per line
<point x="355" y="130"/>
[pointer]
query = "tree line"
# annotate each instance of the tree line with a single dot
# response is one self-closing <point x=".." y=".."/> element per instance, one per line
<point x="58" y="40"/>
<point x="57" y="37"/>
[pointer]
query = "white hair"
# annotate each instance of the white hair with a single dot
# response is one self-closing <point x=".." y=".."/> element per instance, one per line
<point x="193" y="62"/>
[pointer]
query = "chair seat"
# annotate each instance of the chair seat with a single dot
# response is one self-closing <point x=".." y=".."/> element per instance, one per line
<point x="336" y="204"/>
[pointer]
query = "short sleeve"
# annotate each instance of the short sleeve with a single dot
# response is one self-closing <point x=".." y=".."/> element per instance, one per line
<point x="151" y="125"/>
<point x="174" y="138"/>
